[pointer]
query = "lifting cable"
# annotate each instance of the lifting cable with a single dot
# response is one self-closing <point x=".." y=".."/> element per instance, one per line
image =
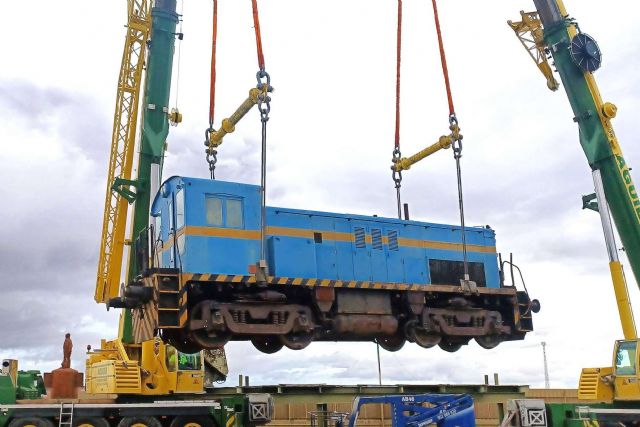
<point x="443" y="60"/>
<point x="256" y="26"/>
<point x="456" y="143"/>
<point x="258" y="95"/>
<point x="264" y="106"/>
<point x="212" y="153"/>
<point x="397" y="175"/>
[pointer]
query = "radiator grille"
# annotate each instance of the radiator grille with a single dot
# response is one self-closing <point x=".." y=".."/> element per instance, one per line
<point x="376" y="238"/>
<point x="393" y="240"/>
<point x="359" y="233"/>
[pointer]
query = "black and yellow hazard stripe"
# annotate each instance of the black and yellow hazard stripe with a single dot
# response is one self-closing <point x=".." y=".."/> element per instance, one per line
<point x="297" y="281"/>
<point x="183" y="302"/>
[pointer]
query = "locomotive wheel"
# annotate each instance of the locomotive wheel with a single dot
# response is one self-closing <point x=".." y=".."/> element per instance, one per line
<point x="488" y="341"/>
<point x="296" y="340"/>
<point x="267" y="344"/>
<point x="452" y="344"/>
<point x="180" y="340"/>
<point x="209" y="339"/>
<point x="425" y="339"/>
<point x="391" y="343"/>
<point x="449" y="346"/>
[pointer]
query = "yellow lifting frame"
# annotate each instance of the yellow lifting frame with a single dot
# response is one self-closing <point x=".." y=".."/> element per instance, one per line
<point x="530" y="33"/>
<point x="122" y="149"/>
<point x="444" y="142"/>
<point x="229" y="124"/>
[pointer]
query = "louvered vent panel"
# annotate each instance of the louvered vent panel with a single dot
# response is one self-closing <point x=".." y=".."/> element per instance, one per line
<point x="393" y="240"/>
<point x="360" y="234"/>
<point x="376" y="238"/>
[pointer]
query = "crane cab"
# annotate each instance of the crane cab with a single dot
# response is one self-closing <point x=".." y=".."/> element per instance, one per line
<point x="625" y="370"/>
<point x="620" y="381"/>
<point x="149" y="368"/>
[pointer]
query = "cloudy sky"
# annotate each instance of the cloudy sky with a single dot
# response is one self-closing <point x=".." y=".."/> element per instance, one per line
<point x="330" y="141"/>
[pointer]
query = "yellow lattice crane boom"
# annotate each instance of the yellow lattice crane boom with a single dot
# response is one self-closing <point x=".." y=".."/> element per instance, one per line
<point x="123" y="140"/>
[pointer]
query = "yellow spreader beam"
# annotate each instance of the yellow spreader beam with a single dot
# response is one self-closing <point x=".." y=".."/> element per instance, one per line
<point x="444" y="142"/>
<point x="229" y="124"/>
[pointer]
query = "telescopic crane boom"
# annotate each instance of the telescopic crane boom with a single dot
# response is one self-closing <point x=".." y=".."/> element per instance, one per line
<point x="151" y="28"/>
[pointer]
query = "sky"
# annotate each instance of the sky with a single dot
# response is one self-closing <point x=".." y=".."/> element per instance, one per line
<point x="330" y="140"/>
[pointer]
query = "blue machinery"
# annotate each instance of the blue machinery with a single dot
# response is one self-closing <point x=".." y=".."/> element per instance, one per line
<point x="443" y="410"/>
<point x="330" y="277"/>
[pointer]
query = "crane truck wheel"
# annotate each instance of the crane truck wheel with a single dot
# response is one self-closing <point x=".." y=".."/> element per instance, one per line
<point x="30" y="422"/>
<point x="90" y="422"/>
<point x="186" y="421"/>
<point x="139" y="422"/>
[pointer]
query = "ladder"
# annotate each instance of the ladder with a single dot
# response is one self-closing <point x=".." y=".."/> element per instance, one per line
<point x="66" y="415"/>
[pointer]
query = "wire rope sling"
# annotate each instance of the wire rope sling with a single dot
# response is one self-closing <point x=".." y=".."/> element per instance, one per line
<point x="260" y="96"/>
<point x="453" y="140"/>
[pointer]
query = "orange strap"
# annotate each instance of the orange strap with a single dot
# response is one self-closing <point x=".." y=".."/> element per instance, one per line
<point x="212" y="93"/>
<point x="398" y="52"/>
<point x="256" y="25"/>
<point x="443" y="59"/>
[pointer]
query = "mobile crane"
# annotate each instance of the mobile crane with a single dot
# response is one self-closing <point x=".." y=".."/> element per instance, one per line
<point x="148" y="52"/>
<point x="550" y="34"/>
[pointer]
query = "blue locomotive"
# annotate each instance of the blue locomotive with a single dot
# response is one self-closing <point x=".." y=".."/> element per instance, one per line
<point x="328" y="276"/>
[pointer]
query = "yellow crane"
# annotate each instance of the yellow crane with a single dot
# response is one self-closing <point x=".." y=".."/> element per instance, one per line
<point x="126" y="365"/>
<point x="123" y="140"/>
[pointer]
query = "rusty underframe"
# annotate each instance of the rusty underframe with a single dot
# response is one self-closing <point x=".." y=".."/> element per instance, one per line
<point x="274" y="316"/>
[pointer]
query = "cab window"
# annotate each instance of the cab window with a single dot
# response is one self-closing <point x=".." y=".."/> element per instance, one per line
<point x="626" y="358"/>
<point x="189" y="362"/>
<point x="224" y="211"/>
<point x="158" y="227"/>
<point x="171" y="229"/>
<point x="179" y="209"/>
<point x="234" y="213"/>
<point x="213" y="206"/>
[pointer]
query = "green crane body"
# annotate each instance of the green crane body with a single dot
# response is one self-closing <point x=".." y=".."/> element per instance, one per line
<point x="155" y="127"/>
<point x="597" y="137"/>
